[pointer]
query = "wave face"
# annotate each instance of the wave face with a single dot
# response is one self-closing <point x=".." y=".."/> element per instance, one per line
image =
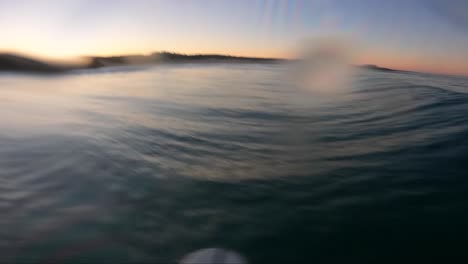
<point x="147" y="165"/>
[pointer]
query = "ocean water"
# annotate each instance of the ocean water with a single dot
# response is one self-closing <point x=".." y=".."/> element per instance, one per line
<point x="147" y="164"/>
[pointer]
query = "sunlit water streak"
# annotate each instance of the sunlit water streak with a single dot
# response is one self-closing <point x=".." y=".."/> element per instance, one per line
<point x="148" y="164"/>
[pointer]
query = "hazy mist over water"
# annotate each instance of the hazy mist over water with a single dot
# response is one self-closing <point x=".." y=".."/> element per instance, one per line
<point x="146" y="164"/>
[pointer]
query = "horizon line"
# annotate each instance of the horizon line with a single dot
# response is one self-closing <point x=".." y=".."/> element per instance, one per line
<point x="57" y="60"/>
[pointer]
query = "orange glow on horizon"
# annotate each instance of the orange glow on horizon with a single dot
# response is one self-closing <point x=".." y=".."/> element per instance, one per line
<point x="409" y="62"/>
<point x="442" y="65"/>
<point x="51" y="52"/>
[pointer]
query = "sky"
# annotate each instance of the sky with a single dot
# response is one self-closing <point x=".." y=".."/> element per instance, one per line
<point x="423" y="35"/>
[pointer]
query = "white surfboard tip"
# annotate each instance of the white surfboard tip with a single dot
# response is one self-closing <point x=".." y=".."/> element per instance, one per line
<point x="212" y="256"/>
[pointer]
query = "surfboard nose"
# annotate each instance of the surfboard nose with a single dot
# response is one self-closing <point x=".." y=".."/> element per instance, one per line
<point x="212" y="256"/>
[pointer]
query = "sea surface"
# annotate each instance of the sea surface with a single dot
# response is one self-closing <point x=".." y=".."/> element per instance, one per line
<point x="147" y="164"/>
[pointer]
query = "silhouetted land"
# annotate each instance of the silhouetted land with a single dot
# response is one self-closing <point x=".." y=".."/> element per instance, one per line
<point x="10" y="62"/>
<point x="17" y="63"/>
<point x="166" y="57"/>
<point x="377" y="68"/>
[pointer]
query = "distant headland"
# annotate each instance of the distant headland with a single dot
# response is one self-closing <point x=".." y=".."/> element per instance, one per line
<point x="18" y="63"/>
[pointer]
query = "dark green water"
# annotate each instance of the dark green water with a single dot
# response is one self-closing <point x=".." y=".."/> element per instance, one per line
<point x="145" y="165"/>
